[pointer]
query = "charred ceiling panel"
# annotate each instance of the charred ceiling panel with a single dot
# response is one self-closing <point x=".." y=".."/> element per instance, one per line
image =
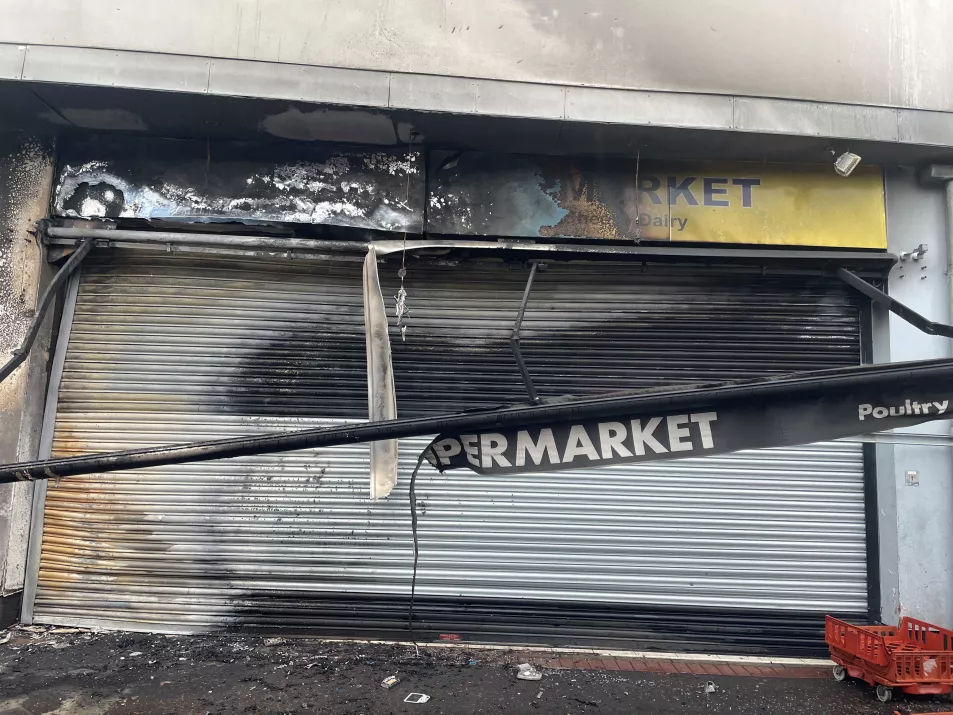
<point x="202" y="181"/>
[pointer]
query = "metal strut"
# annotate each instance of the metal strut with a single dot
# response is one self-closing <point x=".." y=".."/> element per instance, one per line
<point x="894" y="306"/>
<point x="515" y="338"/>
<point x="20" y="353"/>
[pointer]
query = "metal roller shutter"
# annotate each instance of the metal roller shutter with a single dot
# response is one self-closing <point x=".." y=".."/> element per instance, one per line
<point x="166" y="348"/>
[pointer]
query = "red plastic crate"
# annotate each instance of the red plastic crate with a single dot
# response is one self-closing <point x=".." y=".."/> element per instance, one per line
<point x="916" y="656"/>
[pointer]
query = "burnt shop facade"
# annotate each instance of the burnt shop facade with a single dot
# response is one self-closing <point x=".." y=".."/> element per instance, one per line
<point x="189" y="335"/>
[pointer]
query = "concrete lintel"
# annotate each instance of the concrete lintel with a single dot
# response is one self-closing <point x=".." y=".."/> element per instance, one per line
<point x="116" y="68"/>
<point x="468" y="96"/>
<point x="520" y="99"/>
<point x="324" y="85"/>
<point x="782" y="116"/>
<point x="920" y="127"/>
<point x="454" y="95"/>
<point x="622" y="106"/>
<point x="457" y="95"/>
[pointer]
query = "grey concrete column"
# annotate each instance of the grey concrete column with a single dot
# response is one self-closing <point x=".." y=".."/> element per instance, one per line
<point x="26" y="175"/>
<point x="915" y="488"/>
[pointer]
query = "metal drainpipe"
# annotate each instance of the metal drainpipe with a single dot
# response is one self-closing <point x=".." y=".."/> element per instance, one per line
<point x="949" y="247"/>
<point x="947" y="172"/>
<point x="933" y="175"/>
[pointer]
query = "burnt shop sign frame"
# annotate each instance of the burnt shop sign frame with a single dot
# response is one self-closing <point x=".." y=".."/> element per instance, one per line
<point x="478" y="193"/>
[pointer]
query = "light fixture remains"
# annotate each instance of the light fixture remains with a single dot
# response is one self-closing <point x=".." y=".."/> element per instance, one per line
<point x="846" y="163"/>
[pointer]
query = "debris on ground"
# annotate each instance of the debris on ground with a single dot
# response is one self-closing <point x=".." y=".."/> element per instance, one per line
<point x="527" y="672"/>
<point x="38" y="678"/>
<point x="590" y="703"/>
<point x="710" y="687"/>
<point x="417" y="698"/>
<point x="390" y="681"/>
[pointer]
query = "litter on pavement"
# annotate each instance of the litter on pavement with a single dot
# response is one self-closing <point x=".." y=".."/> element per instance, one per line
<point x="417" y="698"/>
<point x="528" y="672"/>
<point x="390" y="681"/>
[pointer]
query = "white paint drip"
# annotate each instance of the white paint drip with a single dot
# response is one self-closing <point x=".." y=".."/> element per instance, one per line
<point x="92" y="208"/>
<point x="393" y="165"/>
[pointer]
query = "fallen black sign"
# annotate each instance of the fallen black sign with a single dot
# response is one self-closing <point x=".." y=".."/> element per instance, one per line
<point x="666" y="423"/>
<point x="710" y="427"/>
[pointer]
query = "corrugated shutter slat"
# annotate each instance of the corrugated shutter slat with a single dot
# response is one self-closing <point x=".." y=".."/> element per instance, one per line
<point x="170" y="348"/>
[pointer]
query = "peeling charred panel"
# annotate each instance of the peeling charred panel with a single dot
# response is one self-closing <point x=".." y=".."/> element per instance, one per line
<point x="529" y="196"/>
<point x="186" y="180"/>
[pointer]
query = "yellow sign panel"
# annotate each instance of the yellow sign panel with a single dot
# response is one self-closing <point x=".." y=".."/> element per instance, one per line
<point x="759" y="204"/>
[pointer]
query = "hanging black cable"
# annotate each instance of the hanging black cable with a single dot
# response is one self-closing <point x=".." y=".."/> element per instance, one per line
<point x="413" y="531"/>
<point x="20" y="354"/>
<point x="794" y="386"/>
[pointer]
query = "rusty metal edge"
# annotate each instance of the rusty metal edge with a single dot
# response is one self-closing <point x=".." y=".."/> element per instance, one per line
<point x="35" y="545"/>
